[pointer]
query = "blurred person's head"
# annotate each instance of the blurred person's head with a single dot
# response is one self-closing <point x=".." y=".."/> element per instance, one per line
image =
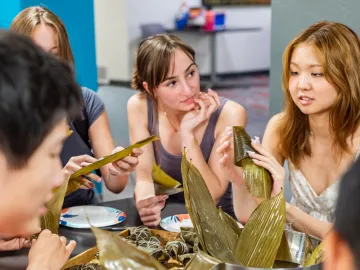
<point x="342" y="245"/>
<point x="321" y="79"/>
<point x="46" y="30"/>
<point x="37" y="93"/>
<point x="165" y="68"/>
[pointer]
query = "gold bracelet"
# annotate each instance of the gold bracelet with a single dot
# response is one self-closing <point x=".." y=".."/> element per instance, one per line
<point x="296" y="219"/>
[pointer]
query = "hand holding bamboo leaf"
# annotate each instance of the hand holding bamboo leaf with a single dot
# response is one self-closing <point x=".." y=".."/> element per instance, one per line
<point x="75" y="164"/>
<point x="126" y="165"/>
<point x="264" y="159"/>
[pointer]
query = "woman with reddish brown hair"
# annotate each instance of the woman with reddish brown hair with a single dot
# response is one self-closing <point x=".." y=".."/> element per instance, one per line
<point x="317" y="132"/>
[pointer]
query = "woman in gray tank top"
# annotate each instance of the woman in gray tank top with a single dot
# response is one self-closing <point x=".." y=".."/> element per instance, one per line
<point x="171" y="105"/>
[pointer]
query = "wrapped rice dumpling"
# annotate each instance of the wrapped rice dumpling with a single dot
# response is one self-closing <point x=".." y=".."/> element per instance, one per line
<point x="261" y="237"/>
<point x="116" y="253"/>
<point x="257" y="179"/>
<point x="215" y="236"/>
<point x="176" y="248"/>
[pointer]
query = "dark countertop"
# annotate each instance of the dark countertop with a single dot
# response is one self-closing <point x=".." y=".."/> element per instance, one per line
<point x="15" y="260"/>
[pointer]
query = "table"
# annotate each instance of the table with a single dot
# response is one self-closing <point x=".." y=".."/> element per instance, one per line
<point x="214" y="80"/>
<point x="14" y="260"/>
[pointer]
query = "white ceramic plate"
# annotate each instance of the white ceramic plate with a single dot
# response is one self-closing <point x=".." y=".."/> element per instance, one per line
<point x="173" y="223"/>
<point x="99" y="216"/>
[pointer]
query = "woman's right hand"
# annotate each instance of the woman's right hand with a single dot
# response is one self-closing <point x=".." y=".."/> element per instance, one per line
<point x="226" y="150"/>
<point x="49" y="251"/>
<point x="76" y="163"/>
<point x="150" y="209"/>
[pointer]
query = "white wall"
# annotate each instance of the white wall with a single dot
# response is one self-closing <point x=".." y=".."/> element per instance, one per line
<point x="236" y="51"/>
<point x="111" y="32"/>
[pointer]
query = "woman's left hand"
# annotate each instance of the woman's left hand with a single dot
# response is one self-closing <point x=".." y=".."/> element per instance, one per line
<point x="267" y="161"/>
<point x="207" y="104"/>
<point x="126" y="165"/>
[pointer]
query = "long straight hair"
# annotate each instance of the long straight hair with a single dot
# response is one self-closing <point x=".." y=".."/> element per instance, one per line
<point x="339" y="48"/>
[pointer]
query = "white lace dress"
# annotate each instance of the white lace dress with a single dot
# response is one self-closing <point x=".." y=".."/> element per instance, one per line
<point x="320" y="206"/>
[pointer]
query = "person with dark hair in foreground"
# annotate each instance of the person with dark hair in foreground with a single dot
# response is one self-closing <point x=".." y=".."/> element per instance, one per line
<point x="37" y="94"/>
<point x="342" y="245"/>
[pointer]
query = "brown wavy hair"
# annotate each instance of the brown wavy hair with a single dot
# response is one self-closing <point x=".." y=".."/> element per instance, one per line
<point x="26" y="21"/>
<point x="339" y="49"/>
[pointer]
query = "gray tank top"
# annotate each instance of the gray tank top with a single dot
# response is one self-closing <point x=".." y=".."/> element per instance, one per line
<point x="171" y="164"/>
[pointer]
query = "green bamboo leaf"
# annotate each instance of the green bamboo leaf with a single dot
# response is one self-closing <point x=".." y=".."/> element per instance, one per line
<point x="242" y="144"/>
<point x="261" y="237"/>
<point x="112" y="158"/>
<point x="160" y="190"/>
<point x="235" y="230"/>
<point x="212" y="232"/>
<point x="316" y="257"/>
<point x="257" y="179"/>
<point x="162" y="178"/>
<point x="116" y="253"/>
<point x="74" y="184"/>
<point x="51" y="219"/>
<point x="202" y="261"/>
<point x="283" y="253"/>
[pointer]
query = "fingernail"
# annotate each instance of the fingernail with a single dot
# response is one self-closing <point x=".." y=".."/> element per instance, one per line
<point x="251" y="152"/>
<point x="226" y="142"/>
<point x="166" y="196"/>
<point x="229" y="128"/>
<point x="228" y="132"/>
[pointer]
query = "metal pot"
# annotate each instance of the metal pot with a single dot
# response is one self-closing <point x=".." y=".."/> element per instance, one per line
<point x="296" y="242"/>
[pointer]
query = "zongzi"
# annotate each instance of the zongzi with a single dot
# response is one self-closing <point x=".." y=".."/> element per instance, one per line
<point x="257" y="179"/>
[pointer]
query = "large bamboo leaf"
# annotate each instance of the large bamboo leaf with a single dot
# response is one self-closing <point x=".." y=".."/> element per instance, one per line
<point x="235" y="230"/>
<point x="213" y="233"/>
<point x="257" y="179"/>
<point x="116" y="253"/>
<point x="283" y="253"/>
<point x="316" y="257"/>
<point x="74" y="184"/>
<point x="202" y="261"/>
<point x="261" y="237"/>
<point x="112" y="158"/>
<point x="51" y="219"/>
<point x="162" y="178"/>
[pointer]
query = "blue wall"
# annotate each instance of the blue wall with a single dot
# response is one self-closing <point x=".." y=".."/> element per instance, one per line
<point x="78" y="17"/>
<point x="8" y="10"/>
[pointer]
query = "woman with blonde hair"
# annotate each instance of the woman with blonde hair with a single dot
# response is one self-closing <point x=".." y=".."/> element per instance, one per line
<point x="91" y="138"/>
<point x="317" y="132"/>
<point x="171" y="105"/>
